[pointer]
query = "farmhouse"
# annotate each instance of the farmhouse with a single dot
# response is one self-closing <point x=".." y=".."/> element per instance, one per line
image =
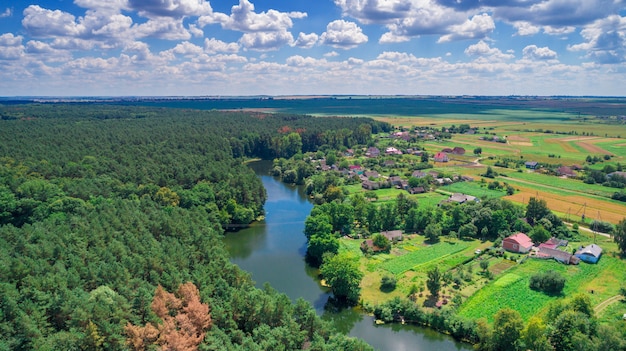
<point x="440" y="157"/>
<point x="395" y="180"/>
<point x="565" y="171"/>
<point x="372" y="152"/>
<point x="462" y="198"/>
<point x="531" y="164"/>
<point x="392" y="235"/>
<point x="419" y="174"/>
<point x="370" y="185"/>
<point x="368" y="244"/>
<point x="392" y="151"/>
<point x="553" y="243"/>
<point x="589" y="254"/>
<point x="557" y="255"/>
<point x="519" y="243"/>
<point x="417" y="190"/>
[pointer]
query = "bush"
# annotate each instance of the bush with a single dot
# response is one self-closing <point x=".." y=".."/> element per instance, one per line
<point x="388" y="283"/>
<point x="549" y="282"/>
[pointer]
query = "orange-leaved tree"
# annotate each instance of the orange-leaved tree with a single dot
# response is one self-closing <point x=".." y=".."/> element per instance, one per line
<point x="185" y="321"/>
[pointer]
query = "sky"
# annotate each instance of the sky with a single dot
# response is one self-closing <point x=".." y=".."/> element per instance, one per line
<point x="312" y="47"/>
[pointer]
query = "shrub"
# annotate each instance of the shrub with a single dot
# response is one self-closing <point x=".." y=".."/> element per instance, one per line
<point x="388" y="283"/>
<point x="549" y="282"/>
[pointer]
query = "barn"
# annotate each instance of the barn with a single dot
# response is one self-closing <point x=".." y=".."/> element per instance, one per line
<point x="519" y="243"/>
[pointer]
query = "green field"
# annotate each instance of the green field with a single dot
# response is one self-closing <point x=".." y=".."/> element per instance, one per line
<point x="413" y="260"/>
<point x="511" y="289"/>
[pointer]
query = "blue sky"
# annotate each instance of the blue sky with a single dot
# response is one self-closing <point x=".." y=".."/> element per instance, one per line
<point x="298" y="47"/>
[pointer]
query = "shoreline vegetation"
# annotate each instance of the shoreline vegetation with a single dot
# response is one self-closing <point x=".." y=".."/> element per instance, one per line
<point x="173" y="179"/>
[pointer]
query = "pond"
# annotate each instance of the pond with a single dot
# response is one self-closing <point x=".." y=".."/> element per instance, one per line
<point x="273" y="251"/>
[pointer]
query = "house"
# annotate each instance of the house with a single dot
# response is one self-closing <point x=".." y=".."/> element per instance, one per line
<point x="419" y="174"/>
<point x="349" y="153"/>
<point x="531" y="164"/>
<point x="590" y="253"/>
<point x="355" y="168"/>
<point x="368" y="244"/>
<point x="392" y="235"/>
<point x="618" y="173"/>
<point x="565" y="171"/>
<point x="371" y="174"/>
<point x="417" y="190"/>
<point x="395" y="180"/>
<point x="557" y="255"/>
<point x="519" y="243"/>
<point x="392" y="151"/>
<point x="372" y="152"/>
<point x="458" y="150"/>
<point x="462" y="198"/>
<point x="467" y="178"/>
<point x="370" y="185"/>
<point x="440" y="157"/>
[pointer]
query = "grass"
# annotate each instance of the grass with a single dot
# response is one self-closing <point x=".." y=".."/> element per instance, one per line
<point x="511" y="289"/>
<point x="415" y="259"/>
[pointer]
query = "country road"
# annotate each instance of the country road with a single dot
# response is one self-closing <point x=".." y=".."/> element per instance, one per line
<point x="606" y="303"/>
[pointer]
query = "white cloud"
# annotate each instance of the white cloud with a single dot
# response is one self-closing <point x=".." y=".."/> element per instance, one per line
<point x="306" y="41"/>
<point x="343" y="35"/>
<point x="43" y="23"/>
<point x="265" y="41"/>
<point x="483" y="50"/>
<point x="11" y="47"/>
<point x="213" y="45"/>
<point x="163" y="28"/>
<point x="7" y="13"/>
<point x="532" y="52"/>
<point x="300" y="61"/>
<point x="169" y="8"/>
<point x="390" y="38"/>
<point x="526" y="28"/>
<point x="476" y="27"/>
<point x="331" y="54"/>
<point x="244" y="19"/>
<point x="605" y="40"/>
<point x="376" y="11"/>
<point x="140" y="51"/>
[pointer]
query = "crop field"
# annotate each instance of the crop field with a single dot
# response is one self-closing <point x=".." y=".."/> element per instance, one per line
<point x="477" y="189"/>
<point x="511" y="289"/>
<point x="413" y="260"/>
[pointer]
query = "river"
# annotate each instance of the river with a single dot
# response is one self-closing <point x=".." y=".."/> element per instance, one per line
<point x="273" y="251"/>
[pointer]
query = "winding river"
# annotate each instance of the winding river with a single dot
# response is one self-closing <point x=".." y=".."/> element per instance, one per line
<point x="273" y="251"/>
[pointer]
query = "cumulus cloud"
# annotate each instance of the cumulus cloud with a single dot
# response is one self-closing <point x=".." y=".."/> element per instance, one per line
<point x="331" y="54"/>
<point x="605" y="40"/>
<point x="213" y="45"/>
<point x="244" y="19"/>
<point x="7" y="13"/>
<point x="376" y="11"/>
<point x="163" y="28"/>
<point x="343" y="35"/>
<point x="11" y="47"/>
<point x="556" y="13"/>
<point x="44" y="23"/>
<point x="476" y="27"/>
<point x="483" y="50"/>
<point x="265" y="41"/>
<point x="306" y="41"/>
<point x="532" y="52"/>
<point x="169" y="8"/>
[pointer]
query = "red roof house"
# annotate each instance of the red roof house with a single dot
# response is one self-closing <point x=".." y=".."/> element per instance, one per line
<point x="519" y="243"/>
<point x="440" y="157"/>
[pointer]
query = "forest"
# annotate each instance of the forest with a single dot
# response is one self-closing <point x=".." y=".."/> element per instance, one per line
<point x="111" y="219"/>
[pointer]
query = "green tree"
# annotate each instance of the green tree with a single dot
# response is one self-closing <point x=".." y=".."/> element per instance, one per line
<point x="381" y="242"/>
<point x="318" y="245"/>
<point x="539" y="234"/>
<point x="342" y="273"/>
<point x="534" y="336"/>
<point x="433" y="232"/>
<point x="570" y="329"/>
<point x="317" y="225"/>
<point x="478" y="151"/>
<point x="433" y="283"/>
<point x="484" y="265"/>
<point x="536" y="210"/>
<point x="507" y="328"/>
<point x="620" y="236"/>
